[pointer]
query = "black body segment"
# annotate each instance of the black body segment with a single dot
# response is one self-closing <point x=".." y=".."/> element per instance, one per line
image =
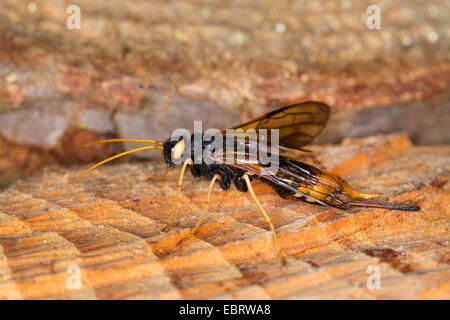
<point x="228" y="174"/>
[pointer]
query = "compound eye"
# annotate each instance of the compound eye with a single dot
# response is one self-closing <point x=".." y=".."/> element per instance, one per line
<point x="178" y="150"/>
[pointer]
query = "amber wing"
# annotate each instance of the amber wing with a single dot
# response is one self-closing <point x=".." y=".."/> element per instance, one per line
<point x="298" y="124"/>
<point x="288" y="177"/>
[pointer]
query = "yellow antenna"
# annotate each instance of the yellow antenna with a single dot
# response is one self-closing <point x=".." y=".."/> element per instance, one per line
<point x="122" y="140"/>
<point x="158" y="146"/>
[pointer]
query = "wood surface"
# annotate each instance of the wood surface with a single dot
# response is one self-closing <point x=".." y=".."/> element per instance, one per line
<point x="110" y="225"/>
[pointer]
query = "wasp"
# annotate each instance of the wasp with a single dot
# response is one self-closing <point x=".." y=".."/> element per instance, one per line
<point x="297" y="125"/>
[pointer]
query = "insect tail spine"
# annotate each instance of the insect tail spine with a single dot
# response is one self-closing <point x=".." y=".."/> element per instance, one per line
<point x="391" y="206"/>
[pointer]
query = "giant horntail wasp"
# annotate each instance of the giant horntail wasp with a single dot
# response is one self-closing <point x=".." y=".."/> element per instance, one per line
<point x="296" y="125"/>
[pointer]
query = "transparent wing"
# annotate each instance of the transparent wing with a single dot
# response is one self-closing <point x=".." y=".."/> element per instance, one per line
<point x="298" y="124"/>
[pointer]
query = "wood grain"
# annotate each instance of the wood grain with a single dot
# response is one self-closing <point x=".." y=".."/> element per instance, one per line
<point x="110" y="226"/>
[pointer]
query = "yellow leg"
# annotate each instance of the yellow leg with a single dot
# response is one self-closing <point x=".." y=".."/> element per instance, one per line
<point x="161" y="177"/>
<point x="180" y="181"/>
<point x="266" y="217"/>
<point x="211" y="184"/>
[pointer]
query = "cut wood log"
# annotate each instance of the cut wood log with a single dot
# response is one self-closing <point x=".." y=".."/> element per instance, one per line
<point x="104" y="237"/>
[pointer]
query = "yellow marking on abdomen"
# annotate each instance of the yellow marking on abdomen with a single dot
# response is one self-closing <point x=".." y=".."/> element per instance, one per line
<point x="316" y="191"/>
<point x="358" y="194"/>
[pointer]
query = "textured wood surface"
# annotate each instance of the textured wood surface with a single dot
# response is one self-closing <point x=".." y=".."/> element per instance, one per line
<point x="110" y="226"/>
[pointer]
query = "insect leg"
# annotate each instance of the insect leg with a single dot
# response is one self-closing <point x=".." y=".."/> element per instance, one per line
<point x="266" y="217"/>
<point x="161" y="177"/>
<point x="211" y="184"/>
<point x="180" y="181"/>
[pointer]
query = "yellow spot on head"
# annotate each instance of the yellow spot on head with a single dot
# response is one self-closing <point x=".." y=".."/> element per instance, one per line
<point x="178" y="150"/>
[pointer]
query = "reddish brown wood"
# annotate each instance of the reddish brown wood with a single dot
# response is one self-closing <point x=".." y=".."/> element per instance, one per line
<point x="111" y="226"/>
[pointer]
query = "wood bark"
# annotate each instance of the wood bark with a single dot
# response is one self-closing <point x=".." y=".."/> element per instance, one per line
<point x="110" y="227"/>
<point x="140" y="69"/>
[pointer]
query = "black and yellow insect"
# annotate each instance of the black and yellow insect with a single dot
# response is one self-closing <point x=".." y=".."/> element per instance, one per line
<point x="297" y="126"/>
